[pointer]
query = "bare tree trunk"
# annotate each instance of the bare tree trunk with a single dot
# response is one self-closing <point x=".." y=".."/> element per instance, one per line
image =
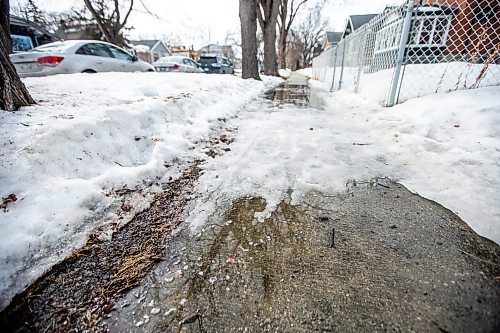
<point x="270" y="64"/>
<point x="248" y="19"/>
<point x="283" y="13"/>
<point x="268" y="18"/>
<point x="282" y="48"/>
<point x="13" y="93"/>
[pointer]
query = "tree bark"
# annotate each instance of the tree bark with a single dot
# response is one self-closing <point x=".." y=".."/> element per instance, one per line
<point x="268" y="18"/>
<point x="270" y="63"/>
<point x="248" y="19"/>
<point x="13" y="93"/>
<point x="282" y="48"/>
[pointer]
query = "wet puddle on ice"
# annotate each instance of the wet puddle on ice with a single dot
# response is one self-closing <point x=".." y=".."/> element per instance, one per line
<point x="293" y="93"/>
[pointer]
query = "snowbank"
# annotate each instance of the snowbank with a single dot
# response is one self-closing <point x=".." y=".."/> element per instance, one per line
<point x="443" y="146"/>
<point x="285" y="73"/>
<point x="418" y="79"/>
<point x="307" y="72"/>
<point x="89" y="135"/>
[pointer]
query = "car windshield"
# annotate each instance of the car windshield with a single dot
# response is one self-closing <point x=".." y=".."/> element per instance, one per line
<point x="170" y="59"/>
<point x="208" y="60"/>
<point x="57" y="47"/>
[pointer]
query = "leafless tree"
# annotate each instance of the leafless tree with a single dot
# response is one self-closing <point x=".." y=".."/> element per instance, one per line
<point x="309" y="31"/>
<point x="13" y="93"/>
<point x="233" y="39"/>
<point x="267" y="15"/>
<point x="52" y="21"/>
<point x="108" y="16"/>
<point x="31" y="11"/>
<point x="287" y="14"/>
<point x="248" y="19"/>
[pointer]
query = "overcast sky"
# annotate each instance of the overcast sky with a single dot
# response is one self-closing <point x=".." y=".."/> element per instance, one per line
<point x="197" y="22"/>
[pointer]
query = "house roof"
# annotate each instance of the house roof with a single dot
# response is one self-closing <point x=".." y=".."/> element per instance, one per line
<point x="147" y="42"/>
<point x="354" y="22"/>
<point x="333" y="37"/>
<point x="358" y="20"/>
<point x="152" y="44"/>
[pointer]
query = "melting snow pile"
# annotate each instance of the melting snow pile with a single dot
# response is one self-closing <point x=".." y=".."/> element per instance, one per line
<point x="89" y="135"/>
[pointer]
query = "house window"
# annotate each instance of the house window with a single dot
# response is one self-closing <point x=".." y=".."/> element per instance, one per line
<point x="388" y="37"/>
<point x="430" y="31"/>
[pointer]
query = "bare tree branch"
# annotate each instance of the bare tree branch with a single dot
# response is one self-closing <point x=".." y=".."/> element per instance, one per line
<point x="98" y="19"/>
<point x="107" y="14"/>
<point x="128" y="14"/>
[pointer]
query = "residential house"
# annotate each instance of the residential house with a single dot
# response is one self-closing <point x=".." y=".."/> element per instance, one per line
<point x="354" y="22"/>
<point x="150" y="50"/>
<point x="331" y="39"/>
<point x="294" y="56"/>
<point x="457" y="27"/>
<point x="441" y="29"/>
<point x="26" y="35"/>
<point x="72" y="30"/>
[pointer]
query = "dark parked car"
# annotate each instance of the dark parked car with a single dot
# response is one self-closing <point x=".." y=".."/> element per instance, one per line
<point x="216" y="64"/>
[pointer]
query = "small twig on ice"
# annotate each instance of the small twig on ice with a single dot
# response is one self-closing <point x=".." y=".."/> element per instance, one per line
<point x="332" y="239"/>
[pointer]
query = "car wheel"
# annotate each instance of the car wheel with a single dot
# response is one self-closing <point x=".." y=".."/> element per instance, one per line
<point x="89" y="71"/>
<point x="150" y="70"/>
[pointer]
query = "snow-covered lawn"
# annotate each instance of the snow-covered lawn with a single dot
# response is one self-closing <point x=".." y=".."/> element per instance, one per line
<point x="90" y="135"/>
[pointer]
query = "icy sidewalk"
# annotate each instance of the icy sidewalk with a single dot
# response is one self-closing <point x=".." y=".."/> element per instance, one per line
<point x="376" y="258"/>
<point x="445" y="147"/>
<point x="90" y="137"/>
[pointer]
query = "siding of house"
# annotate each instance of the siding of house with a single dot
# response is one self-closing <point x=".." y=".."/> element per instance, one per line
<point x="157" y="49"/>
<point x="474" y="29"/>
<point x="162" y="50"/>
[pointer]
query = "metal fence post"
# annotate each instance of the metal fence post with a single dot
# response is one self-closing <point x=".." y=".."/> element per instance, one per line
<point x="401" y="53"/>
<point x="342" y="66"/>
<point x="361" y="59"/>
<point x="334" y="68"/>
<point x="326" y="68"/>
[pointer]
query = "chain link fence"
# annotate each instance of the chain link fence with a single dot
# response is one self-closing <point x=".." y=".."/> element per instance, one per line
<point x="417" y="48"/>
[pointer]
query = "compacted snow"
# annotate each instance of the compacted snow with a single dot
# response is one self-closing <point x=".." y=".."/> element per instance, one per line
<point x="446" y="147"/>
<point x="93" y="134"/>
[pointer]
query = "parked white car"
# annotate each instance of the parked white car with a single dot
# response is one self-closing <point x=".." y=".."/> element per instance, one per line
<point x="177" y="64"/>
<point x="77" y="56"/>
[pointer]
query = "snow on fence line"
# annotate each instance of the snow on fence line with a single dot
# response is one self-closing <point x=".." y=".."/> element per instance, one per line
<point x="415" y="49"/>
